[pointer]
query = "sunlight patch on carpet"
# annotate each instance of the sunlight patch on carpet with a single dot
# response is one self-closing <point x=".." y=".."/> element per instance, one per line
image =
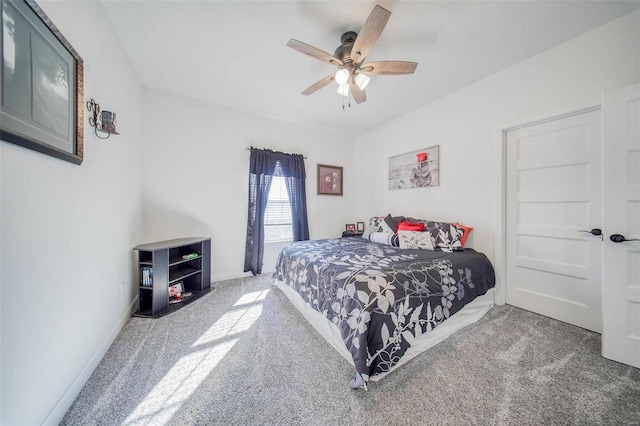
<point x="231" y="323"/>
<point x="175" y="388"/>
<point x="252" y="297"/>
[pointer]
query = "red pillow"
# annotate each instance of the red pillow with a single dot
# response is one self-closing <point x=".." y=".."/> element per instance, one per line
<point x="411" y="226"/>
<point x="466" y="231"/>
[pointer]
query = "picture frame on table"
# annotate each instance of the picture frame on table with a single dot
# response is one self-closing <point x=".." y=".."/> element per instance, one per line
<point x="43" y="80"/>
<point x="360" y="227"/>
<point x="176" y="289"/>
<point x="351" y="227"/>
<point x="329" y="180"/>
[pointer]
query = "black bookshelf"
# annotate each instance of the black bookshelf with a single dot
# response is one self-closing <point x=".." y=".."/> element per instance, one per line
<point x="185" y="261"/>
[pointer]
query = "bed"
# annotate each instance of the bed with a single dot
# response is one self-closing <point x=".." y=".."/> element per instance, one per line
<point x="379" y="305"/>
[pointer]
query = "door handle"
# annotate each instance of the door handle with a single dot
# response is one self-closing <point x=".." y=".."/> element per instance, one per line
<point x="594" y="231"/>
<point x="617" y="238"/>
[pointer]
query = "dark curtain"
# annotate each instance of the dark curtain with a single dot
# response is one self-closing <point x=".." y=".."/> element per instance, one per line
<point x="294" y="178"/>
<point x="262" y="166"/>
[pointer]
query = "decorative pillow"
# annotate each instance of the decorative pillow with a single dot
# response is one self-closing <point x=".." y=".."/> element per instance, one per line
<point x="372" y="226"/>
<point x="390" y="224"/>
<point x="446" y="235"/>
<point x="384" y="238"/>
<point x="397" y="220"/>
<point x="466" y="231"/>
<point x="411" y="226"/>
<point x="415" y="240"/>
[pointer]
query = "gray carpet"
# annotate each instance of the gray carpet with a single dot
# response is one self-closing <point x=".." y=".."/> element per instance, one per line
<point x="243" y="355"/>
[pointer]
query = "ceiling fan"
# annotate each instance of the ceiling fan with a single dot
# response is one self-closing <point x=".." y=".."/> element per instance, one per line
<point x="352" y="75"/>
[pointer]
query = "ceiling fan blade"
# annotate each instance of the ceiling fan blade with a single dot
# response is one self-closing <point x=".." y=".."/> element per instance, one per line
<point x="369" y="33"/>
<point x="314" y="52"/>
<point x="389" y="67"/>
<point x="358" y="95"/>
<point x="319" y="85"/>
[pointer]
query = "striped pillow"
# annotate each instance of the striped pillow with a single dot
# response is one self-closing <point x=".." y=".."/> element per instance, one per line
<point x="384" y="238"/>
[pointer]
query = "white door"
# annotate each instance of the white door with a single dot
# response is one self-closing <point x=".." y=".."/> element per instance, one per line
<point x="621" y="284"/>
<point x="554" y="193"/>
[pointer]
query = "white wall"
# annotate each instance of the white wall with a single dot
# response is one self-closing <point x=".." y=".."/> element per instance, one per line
<point x="467" y="127"/>
<point x="196" y="171"/>
<point x="67" y="233"/>
<point x="67" y="230"/>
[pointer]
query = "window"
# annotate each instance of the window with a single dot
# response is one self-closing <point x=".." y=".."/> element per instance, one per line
<point x="277" y="216"/>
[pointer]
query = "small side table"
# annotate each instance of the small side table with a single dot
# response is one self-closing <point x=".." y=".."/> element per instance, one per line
<point x="351" y="234"/>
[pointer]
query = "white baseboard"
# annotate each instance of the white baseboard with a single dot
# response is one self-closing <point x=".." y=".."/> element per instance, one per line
<point x="225" y="277"/>
<point x="60" y="409"/>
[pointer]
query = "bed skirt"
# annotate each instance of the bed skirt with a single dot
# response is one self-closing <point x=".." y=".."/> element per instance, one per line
<point x="469" y="314"/>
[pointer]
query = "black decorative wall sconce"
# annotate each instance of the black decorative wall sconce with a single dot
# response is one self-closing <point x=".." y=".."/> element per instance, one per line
<point x="101" y="121"/>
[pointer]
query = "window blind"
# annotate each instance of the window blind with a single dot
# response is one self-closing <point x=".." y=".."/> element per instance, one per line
<point x="277" y="216"/>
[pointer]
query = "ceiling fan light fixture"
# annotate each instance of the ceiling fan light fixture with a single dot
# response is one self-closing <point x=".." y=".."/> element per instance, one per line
<point x="342" y="77"/>
<point x="343" y="90"/>
<point x="353" y="76"/>
<point x="362" y="80"/>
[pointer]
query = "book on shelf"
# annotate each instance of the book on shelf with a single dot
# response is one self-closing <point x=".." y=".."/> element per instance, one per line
<point x="147" y="276"/>
<point x="179" y="297"/>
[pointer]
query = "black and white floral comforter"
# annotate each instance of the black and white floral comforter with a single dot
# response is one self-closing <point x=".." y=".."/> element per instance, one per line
<point x="381" y="297"/>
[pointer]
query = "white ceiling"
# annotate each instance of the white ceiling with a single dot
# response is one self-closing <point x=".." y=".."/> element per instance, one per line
<point x="234" y="53"/>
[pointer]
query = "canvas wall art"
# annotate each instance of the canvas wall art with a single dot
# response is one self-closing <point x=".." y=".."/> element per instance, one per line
<point x="415" y="169"/>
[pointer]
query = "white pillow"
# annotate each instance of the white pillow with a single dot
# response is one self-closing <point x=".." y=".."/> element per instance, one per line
<point x="384" y="238"/>
<point x="372" y="226"/>
<point x="415" y="240"/>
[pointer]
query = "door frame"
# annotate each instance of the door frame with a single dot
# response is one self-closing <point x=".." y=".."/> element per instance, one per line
<point x="501" y="225"/>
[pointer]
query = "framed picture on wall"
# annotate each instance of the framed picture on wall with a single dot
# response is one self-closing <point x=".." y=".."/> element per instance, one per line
<point x="415" y="169"/>
<point x="42" y="82"/>
<point x="329" y="180"/>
